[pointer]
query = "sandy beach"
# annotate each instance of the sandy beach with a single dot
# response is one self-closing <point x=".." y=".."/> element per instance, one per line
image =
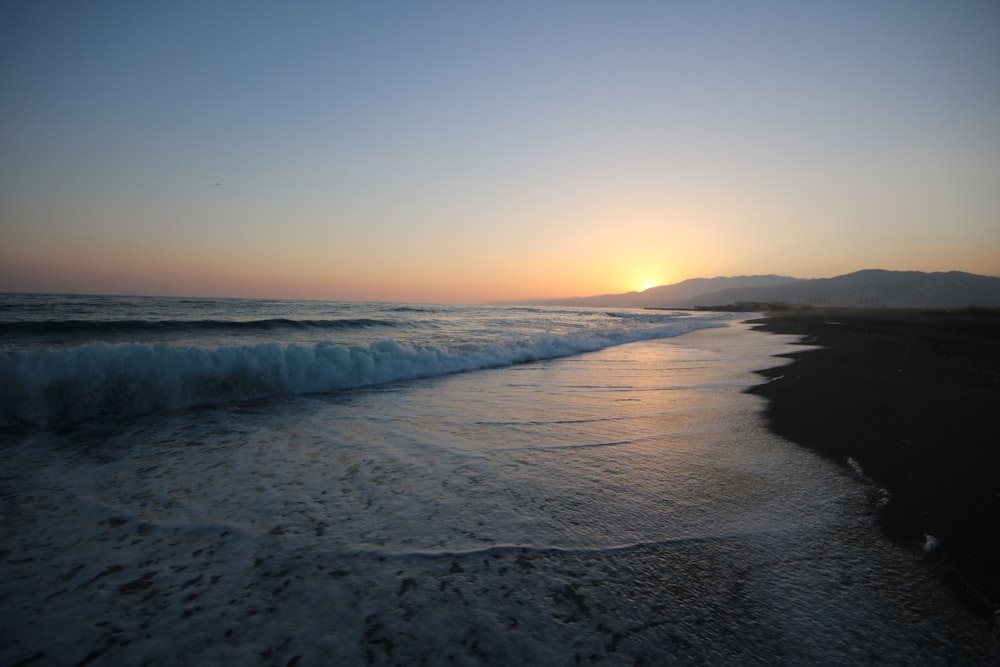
<point x="912" y="399"/>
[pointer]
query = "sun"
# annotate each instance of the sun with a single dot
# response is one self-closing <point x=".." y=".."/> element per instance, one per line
<point x="646" y="284"/>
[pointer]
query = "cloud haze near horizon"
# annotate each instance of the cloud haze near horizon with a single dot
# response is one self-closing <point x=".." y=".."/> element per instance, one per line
<point x="461" y="152"/>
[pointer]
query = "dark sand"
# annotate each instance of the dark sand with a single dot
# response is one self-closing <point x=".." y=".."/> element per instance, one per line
<point x="914" y="399"/>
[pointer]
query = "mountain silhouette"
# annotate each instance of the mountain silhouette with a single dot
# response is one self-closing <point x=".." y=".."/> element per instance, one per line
<point x="870" y="288"/>
<point x="676" y="295"/>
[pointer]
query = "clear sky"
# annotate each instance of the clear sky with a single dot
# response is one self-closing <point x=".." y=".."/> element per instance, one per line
<point x="475" y="151"/>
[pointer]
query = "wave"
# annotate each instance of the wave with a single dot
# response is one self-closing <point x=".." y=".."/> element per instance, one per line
<point x="44" y="386"/>
<point x="78" y="328"/>
<point x="533" y="550"/>
<point x="646" y="316"/>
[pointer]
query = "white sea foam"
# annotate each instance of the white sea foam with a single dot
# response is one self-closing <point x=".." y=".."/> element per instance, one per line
<point x="856" y="467"/>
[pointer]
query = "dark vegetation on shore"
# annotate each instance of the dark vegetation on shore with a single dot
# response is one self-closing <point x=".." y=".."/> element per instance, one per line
<point x="912" y="397"/>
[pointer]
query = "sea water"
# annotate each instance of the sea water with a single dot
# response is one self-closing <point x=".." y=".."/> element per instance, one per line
<point x="76" y="357"/>
<point x="307" y="483"/>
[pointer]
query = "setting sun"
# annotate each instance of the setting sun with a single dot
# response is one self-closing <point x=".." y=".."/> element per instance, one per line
<point x="646" y="284"/>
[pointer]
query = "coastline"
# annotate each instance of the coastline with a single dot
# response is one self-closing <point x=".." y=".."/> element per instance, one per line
<point x="911" y="398"/>
<point x="626" y="506"/>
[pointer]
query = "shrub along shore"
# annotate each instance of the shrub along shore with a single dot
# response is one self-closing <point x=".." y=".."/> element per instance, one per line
<point x="913" y="398"/>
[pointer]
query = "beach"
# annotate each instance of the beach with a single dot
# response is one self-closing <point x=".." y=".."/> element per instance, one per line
<point x="622" y="505"/>
<point x="911" y="399"/>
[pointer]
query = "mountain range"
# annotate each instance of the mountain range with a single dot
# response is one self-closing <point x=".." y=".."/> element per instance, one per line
<point x="871" y="288"/>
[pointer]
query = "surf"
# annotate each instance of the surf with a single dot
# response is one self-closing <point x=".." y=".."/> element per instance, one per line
<point x="52" y="385"/>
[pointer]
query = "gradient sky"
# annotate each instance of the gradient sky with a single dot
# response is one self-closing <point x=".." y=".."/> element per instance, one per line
<point x="473" y="151"/>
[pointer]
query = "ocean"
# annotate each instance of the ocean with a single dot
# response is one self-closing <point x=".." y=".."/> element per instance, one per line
<point x="226" y="481"/>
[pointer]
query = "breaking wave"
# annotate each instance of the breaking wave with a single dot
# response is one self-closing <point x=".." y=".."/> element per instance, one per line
<point x="43" y="386"/>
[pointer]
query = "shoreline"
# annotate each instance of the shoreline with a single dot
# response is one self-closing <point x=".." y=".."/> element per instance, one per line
<point x="911" y="398"/>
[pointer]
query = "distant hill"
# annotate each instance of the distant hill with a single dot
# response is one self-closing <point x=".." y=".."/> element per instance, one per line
<point x="665" y="296"/>
<point x="872" y="288"/>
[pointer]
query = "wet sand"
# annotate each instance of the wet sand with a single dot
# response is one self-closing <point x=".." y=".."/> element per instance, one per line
<point x="912" y="398"/>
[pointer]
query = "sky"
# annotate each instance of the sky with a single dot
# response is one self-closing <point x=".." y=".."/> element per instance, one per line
<point x="467" y="152"/>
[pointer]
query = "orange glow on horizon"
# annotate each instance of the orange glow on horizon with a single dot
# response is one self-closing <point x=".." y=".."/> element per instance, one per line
<point x="649" y="284"/>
